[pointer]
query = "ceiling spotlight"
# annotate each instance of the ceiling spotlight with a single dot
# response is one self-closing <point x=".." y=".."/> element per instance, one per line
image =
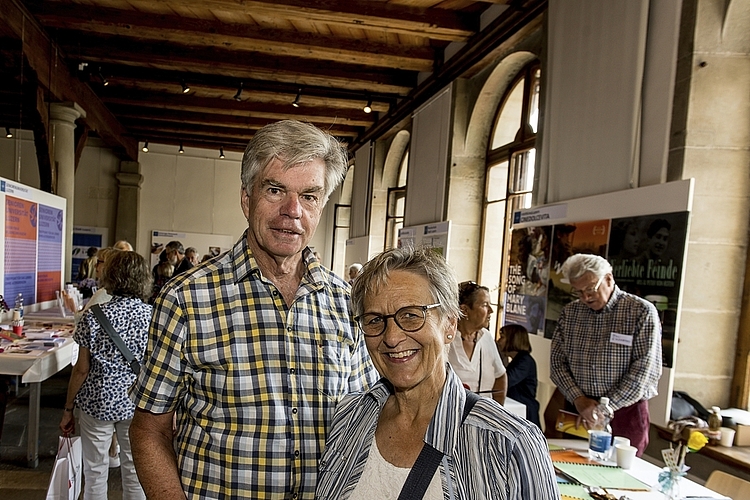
<point x="185" y="87"/>
<point x="368" y="107"/>
<point x="221" y="152"/>
<point x="105" y="82"/>
<point x="145" y="147"/>
<point x="238" y="95"/>
<point x="8" y="133"/>
<point x="296" y="99"/>
<point x="182" y="150"/>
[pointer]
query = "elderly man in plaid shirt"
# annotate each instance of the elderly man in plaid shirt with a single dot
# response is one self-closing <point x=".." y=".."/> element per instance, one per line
<point x="251" y="350"/>
<point x="607" y="343"/>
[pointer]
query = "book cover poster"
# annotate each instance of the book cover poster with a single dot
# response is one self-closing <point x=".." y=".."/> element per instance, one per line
<point x="647" y="254"/>
<point x="569" y="239"/>
<point x="20" y="249"/>
<point x="526" y="293"/>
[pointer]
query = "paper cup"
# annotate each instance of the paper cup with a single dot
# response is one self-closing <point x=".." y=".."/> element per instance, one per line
<point x="625" y="455"/>
<point x="727" y="437"/>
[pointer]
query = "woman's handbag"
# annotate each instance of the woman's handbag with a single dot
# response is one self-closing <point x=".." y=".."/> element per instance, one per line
<point x="65" y="483"/>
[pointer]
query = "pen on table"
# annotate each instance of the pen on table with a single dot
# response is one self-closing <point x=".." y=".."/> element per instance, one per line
<point x="567" y="476"/>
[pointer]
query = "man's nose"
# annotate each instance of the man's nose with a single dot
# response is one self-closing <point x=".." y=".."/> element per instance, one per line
<point x="292" y="206"/>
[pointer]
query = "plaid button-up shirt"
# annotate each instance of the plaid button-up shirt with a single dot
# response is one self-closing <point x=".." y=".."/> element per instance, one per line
<point x="254" y="382"/>
<point x="613" y="352"/>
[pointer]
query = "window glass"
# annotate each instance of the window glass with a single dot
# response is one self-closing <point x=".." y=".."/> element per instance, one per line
<point x="497" y="182"/>
<point x="509" y="119"/>
<point x="535" y="91"/>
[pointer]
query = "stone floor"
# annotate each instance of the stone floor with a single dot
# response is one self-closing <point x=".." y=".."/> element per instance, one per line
<point x="18" y="482"/>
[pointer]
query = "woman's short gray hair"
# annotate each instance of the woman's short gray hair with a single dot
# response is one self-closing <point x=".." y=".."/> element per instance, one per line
<point x="424" y="262"/>
<point x="294" y="142"/>
<point x="581" y="263"/>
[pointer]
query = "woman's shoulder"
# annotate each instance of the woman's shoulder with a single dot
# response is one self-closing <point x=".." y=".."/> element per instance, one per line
<point x="489" y="416"/>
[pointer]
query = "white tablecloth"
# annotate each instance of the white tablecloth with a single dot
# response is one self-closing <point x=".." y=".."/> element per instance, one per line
<point x="647" y="473"/>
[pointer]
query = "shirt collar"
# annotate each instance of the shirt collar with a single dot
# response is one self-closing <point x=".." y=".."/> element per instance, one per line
<point x="245" y="265"/>
<point x="613" y="298"/>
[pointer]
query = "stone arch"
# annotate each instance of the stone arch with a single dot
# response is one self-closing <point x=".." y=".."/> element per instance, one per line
<point x="394" y="157"/>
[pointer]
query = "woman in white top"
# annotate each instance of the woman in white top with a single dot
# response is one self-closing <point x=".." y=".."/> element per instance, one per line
<point x="475" y="359"/>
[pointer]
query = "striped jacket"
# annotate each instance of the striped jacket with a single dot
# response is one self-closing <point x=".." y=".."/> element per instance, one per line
<point x="493" y="455"/>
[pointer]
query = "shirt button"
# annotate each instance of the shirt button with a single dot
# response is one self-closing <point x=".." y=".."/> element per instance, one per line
<point x="294" y="495"/>
<point x="289" y="328"/>
<point x="291" y="370"/>
<point x="294" y="410"/>
<point x="275" y="293"/>
<point x="296" y="453"/>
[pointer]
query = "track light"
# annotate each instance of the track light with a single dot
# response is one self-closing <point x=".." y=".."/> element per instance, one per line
<point x="221" y="152"/>
<point x="182" y="150"/>
<point x="238" y="95"/>
<point x="145" y="147"/>
<point x="296" y="99"/>
<point x="368" y="107"/>
<point x="185" y="87"/>
<point x="8" y="133"/>
<point x="105" y="82"/>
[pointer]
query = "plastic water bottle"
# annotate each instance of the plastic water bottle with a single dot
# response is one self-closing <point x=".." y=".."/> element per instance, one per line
<point x="600" y="433"/>
<point x="19" y="305"/>
<point x="714" y="426"/>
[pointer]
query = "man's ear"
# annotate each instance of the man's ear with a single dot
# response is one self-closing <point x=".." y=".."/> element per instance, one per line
<point x="245" y="201"/>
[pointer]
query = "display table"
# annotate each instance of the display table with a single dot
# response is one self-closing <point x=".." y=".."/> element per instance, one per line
<point x="647" y="473"/>
<point x="33" y="370"/>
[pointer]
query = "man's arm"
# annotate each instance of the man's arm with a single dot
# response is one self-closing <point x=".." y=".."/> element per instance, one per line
<point x="154" y="456"/>
<point x="560" y="372"/>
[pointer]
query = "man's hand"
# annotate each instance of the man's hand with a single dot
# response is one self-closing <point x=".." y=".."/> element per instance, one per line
<point x="585" y="407"/>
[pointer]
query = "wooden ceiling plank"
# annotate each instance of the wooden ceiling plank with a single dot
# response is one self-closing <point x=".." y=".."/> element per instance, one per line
<point x="239" y="37"/>
<point x="288" y="70"/>
<point x="45" y="57"/>
<point x="439" y="24"/>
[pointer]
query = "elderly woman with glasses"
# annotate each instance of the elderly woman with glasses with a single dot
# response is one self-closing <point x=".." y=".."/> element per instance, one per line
<point x="475" y="358"/>
<point x="416" y="430"/>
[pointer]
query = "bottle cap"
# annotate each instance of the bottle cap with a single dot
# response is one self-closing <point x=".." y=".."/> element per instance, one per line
<point x="604" y="400"/>
<point x="715" y="409"/>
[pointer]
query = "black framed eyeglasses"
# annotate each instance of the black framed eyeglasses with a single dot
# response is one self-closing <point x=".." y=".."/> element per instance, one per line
<point x="589" y="291"/>
<point x="409" y="319"/>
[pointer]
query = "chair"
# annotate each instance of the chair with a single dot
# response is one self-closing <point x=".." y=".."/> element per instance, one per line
<point x="729" y="485"/>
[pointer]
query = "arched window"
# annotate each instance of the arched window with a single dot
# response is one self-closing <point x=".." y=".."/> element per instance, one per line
<point x="510" y="174"/>
<point x="394" y="218"/>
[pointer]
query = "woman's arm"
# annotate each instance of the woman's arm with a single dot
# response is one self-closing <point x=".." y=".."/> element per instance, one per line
<point x="77" y="377"/>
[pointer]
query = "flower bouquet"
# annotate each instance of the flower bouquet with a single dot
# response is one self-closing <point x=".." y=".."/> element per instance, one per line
<point x="674" y="458"/>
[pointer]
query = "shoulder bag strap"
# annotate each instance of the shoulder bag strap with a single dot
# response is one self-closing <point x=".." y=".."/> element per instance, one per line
<point x="427" y="462"/>
<point x="135" y="367"/>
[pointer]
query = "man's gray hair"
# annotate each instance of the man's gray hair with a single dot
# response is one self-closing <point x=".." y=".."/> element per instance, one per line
<point x="424" y="262"/>
<point x="294" y="142"/>
<point x="581" y="263"/>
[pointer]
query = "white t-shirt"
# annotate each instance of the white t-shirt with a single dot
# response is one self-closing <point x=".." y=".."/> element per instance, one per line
<point x="384" y="481"/>
<point x="468" y="370"/>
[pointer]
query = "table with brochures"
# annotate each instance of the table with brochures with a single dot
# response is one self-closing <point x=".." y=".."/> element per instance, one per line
<point x="34" y="366"/>
<point x="640" y="482"/>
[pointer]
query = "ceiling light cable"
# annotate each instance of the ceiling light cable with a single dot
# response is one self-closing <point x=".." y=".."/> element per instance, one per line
<point x="105" y="82"/>
<point x="8" y="133"/>
<point x="368" y="107"/>
<point x="221" y="152"/>
<point x="182" y="150"/>
<point x="185" y="87"/>
<point x="238" y="96"/>
<point x="145" y="147"/>
<point x="296" y="99"/>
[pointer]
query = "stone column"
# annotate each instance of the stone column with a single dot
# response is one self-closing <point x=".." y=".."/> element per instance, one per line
<point x="62" y="122"/>
<point x="128" y="200"/>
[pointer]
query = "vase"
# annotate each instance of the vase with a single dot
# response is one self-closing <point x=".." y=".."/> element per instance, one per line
<point x="669" y="484"/>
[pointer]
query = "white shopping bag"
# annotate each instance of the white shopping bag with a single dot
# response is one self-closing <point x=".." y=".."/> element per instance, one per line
<point x="65" y="483"/>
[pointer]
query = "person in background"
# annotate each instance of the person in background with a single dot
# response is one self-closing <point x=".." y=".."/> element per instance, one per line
<point x="406" y="304"/>
<point x="189" y="260"/>
<point x="87" y="268"/>
<point x="514" y="344"/>
<point x="101" y="376"/>
<point x="354" y="271"/>
<point x="123" y="245"/>
<point x="163" y="271"/>
<point x="606" y="343"/>
<point x="254" y="349"/>
<point x="475" y="358"/>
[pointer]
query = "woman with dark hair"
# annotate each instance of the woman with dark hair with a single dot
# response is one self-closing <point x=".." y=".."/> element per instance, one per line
<point x="101" y="377"/>
<point x="522" y="381"/>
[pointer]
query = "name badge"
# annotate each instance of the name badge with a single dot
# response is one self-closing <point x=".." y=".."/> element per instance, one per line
<point x="619" y="338"/>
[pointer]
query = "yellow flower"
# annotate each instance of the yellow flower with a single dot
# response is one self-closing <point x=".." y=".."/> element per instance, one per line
<point x="697" y="441"/>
